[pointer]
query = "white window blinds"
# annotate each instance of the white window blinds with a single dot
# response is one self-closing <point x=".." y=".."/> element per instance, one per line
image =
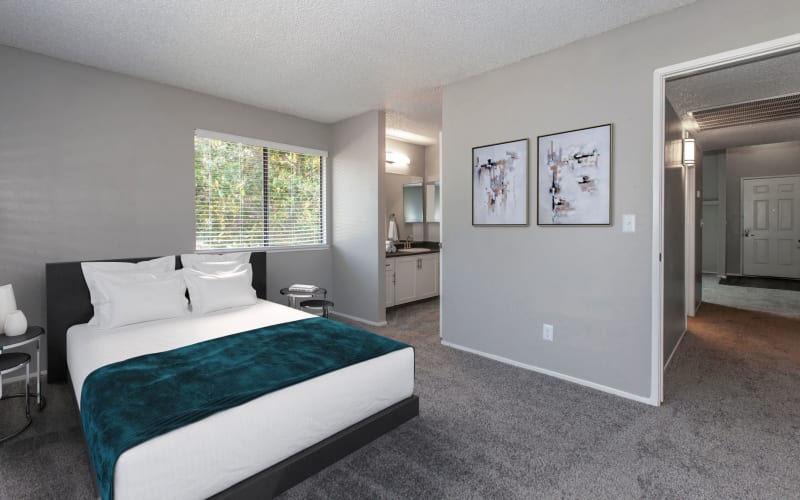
<point x="250" y="195"/>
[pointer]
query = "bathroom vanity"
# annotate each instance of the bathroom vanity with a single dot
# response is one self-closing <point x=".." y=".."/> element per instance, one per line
<point x="411" y="274"/>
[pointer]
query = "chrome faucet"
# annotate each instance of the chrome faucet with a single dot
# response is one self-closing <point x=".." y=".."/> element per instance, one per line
<point x="409" y="240"/>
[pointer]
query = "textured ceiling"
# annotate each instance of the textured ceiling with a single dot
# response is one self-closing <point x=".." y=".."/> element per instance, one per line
<point x="776" y="76"/>
<point x="319" y="59"/>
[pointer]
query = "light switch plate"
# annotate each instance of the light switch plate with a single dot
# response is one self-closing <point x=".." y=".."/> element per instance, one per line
<point x="628" y="223"/>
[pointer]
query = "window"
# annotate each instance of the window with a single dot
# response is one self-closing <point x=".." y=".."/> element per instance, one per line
<point x="253" y="194"/>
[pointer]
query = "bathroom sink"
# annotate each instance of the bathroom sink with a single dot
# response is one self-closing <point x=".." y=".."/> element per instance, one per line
<point x="413" y="250"/>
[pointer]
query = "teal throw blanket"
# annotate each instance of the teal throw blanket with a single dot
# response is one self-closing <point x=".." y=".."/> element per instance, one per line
<point x="126" y="403"/>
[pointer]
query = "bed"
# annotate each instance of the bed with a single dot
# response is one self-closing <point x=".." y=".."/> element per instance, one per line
<point x="254" y="450"/>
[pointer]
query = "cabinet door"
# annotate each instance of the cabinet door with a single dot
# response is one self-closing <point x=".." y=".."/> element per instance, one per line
<point x="405" y="279"/>
<point x="426" y="285"/>
<point x="389" y="287"/>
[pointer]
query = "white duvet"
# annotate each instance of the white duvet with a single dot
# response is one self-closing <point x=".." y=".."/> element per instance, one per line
<point x="221" y="450"/>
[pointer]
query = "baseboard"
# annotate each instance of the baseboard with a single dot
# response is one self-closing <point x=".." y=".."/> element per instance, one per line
<point x="675" y="349"/>
<point x="356" y="318"/>
<point x="544" y="371"/>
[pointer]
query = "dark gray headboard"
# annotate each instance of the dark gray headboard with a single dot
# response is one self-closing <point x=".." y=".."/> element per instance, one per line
<point x="68" y="304"/>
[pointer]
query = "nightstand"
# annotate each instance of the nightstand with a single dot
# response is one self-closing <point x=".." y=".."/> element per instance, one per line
<point x="33" y="334"/>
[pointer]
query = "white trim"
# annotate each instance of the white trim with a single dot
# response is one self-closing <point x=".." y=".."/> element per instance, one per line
<point x="656" y="270"/>
<point x="741" y="225"/>
<point x="660" y="76"/>
<point x="722" y="195"/>
<point x="675" y="349"/>
<point x="441" y="230"/>
<point x="544" y="371"/>
<point x="690" y="222"/>
<point x="209" y="134"/>
<point x="742" y="212"/>
<point x="360" y="320"/>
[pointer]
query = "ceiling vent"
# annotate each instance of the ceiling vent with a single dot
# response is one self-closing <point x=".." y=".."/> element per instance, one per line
<point x="746" y="113"/>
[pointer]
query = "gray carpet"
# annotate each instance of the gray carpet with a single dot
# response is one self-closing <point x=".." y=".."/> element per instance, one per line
<point x="730" y="427"/>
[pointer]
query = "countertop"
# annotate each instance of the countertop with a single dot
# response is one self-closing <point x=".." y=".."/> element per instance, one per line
<point x="433" y="246"/>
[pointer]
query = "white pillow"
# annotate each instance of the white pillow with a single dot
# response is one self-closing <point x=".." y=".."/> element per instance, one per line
<point x="138" y="297"/>
<point x="227" y="266"/>
<point x="214" y="291"/>
<point x="159" y="265"/>
<point x="191" y="260"/>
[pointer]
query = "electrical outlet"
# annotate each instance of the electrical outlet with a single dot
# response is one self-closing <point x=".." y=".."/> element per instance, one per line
<point x="547" y="332"/>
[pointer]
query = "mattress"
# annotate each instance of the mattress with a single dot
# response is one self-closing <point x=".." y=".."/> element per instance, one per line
<point x="208" y="456"/>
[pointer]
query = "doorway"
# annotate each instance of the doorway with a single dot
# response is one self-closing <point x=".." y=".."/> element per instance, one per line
<point x="661" y="76"/>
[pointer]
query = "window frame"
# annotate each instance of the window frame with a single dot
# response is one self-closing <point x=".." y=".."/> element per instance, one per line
<point x="250" y="141"/>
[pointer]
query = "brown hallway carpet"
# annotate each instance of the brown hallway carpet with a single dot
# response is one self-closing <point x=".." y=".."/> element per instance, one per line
<point x="730" y="427"/>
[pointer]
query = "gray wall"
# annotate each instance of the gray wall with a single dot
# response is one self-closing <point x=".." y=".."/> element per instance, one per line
<point x="713" y="212"/>
<point x="98" y="165"/>
<point x="393" y="185"/>
<point x="359" y="225"/>
<point x="593" y="284"/>
<point x="432" y="173"/>
<point x="674" y="235"/>
<point x="751" y="161"/>
<point x="698" y="228"/>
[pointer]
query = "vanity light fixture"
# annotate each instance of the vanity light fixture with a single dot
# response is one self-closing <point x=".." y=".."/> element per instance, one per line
<point x="397" y="159"/>
<point x="688" y="151"/>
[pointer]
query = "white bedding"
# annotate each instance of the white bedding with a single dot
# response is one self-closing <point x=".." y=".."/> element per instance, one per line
<point x="217" y="452"/>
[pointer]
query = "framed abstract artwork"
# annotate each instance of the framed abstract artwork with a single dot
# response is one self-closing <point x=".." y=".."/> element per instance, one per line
<point x="574" y="178"/>
<point x="500" y="184"/>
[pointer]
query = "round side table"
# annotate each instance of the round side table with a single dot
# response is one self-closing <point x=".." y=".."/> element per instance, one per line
<point x="323" y="305"/>
<point x="292" y="296"/>
<point x="10" y="362"/>
<point x="34" y="334"/>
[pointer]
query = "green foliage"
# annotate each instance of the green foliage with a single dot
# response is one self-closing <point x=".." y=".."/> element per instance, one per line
<point x="230" y="198"/>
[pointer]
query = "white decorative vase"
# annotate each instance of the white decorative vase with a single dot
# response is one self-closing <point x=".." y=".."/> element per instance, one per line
<point x="7" y="303"/>
<point x="16" y="323"/>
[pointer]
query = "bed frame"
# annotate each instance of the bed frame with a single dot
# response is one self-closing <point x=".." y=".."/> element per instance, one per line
<point x="68" y="304"/>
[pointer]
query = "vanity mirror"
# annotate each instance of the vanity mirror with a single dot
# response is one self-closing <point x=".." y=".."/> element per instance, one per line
<point x="433" y="204"/>
<point x="412" y="202"/>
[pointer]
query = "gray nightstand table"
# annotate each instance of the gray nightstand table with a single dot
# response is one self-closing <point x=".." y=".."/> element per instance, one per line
<point x="10" y="362"/>
<point x="292" y="296"/>
<point x="33" y="334"/>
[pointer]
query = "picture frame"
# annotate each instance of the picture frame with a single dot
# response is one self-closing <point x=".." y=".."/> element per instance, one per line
<point x="500" y="184"/>
<point x="574" y="177"/>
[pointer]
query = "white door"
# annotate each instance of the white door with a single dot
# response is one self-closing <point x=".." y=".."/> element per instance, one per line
<point x="426" y="276"/>
<point x="771" y="227"/>
<point x="405" y="279"/>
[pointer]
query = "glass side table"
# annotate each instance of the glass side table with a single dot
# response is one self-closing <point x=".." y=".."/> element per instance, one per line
<point x="292" y="296"/>
<point x="31" y="335"/>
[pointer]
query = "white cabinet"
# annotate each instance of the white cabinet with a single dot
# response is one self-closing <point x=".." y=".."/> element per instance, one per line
<point x="427" y="284"/>
<point x="415" y="277"/>
<point x="405" y="279"/>
<point x="389" y="282"/>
